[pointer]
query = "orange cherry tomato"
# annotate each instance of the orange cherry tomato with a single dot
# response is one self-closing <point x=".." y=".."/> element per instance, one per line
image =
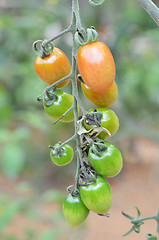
<point x="96" y="66"/>
<point x="54" y="67"/>
<point x="101" y="99"/>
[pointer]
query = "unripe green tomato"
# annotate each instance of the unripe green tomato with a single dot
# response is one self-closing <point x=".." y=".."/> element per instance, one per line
<point x="97" y="196"/>
<point x="74" y="210"/>
<point x="63" y="102"/>
<point x="109" y="121"/>
<point x="108" y="163"/>
<point x="64" y="156"/>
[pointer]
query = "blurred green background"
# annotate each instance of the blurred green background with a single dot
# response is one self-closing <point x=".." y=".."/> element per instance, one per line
<point x="27" y="175"/>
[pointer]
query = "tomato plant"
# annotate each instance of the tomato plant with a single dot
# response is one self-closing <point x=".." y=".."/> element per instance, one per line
<point x="97" y="196"/>
<point x="61" y="155"/>
<point x="109" y="121"/>
<point x="74" y="210"/>
<point x="105" y="158"/>
<point x="94" y="157"/>
<point x="53" y="67"/>
<point x="105" y="99"/>
<point x="96" y="66"/>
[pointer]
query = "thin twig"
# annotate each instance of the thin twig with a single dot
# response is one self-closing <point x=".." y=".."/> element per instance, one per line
<point x="69" y="110"/>
<point x="151" y="9"/>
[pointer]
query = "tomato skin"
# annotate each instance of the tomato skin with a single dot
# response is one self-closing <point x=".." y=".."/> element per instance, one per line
<point x="96" y="66"/>
<point x="109" y="121"/>
<point x="74" y="210"/>
<point x="109" y="163"/>
<point x="65" y="157"/>
<point x="63" y="102"/>
<point x="106" y="99"/>
<point x="54" y="67"/>
<point x="97" y="196"/>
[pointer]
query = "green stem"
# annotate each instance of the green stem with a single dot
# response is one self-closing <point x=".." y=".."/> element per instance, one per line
<point x="59" y="81"/>
<point x="143" y="219"/>
<point x="75" y="9"/>
<point x="76" y="23"/>
<point x="81" y="105"/>
<point x="151" y="9"/>
<point x="67" y="30"/>
<point x="68" y="140"/>
<point x="69" y="110"/>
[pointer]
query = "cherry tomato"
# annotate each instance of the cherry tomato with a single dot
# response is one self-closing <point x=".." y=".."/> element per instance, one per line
<point x="74" y="210"/>
<point x="105" y="158"/>
<point x="101" y="99"/>
<point x="96" y="66"/>
<point x="54" y="67"/>
<point x="97" y="196"/>
<point x="63" y="101"/>
<point x="63" y="155"/>
<point x="109" y="121"/>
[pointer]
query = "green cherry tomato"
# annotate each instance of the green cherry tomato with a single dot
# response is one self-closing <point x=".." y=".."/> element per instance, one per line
<point x="106" y="160"/>
<point x="60" y="105"/>
<point x="109" y="121"/>
<point x="97" y="196"/>
<point x="61" y="156"/>
<point x="74" y="210"/>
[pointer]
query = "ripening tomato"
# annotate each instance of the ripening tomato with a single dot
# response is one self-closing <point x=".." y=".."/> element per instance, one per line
<point x="109" y="121"/>
<point x="74" y="210"/>
<point x="63" y="101"/>
<point x="63" y="156"/>
<point x="54" y="67"/>
<point x="97" y="196"/>
<point x="105" y="158"/>
<point x="96" y="66"/>
<point x="101" y="99"/>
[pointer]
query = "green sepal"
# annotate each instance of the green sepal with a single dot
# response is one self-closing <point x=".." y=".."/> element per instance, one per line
<point x="45" y="48"/>
<point x="94" y="118"/>
<point x="83" y="37"/>
<point x="96" y="2"/>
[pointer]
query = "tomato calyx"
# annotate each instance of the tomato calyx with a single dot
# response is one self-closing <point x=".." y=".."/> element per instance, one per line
<point x="88" y="175"/>
<point x="98" y="148"/>
<point x="94" y="118"/>
<point x="45" y="48"/>
<point x="83" y="37"/>
<point x="74" y="192"/>
<point x="48" y="97"/>
<point x="57" y="151"/>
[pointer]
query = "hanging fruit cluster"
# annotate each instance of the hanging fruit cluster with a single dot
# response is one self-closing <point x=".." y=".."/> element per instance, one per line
<point x="96" y="157"/>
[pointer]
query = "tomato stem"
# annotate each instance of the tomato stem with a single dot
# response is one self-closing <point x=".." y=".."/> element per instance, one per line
<point x="151" y="9"/>
<point x="67" y="30"/>
<point x="76" y="23"/>
<point x="59" y="81"/>
<point x="138" y="221"/>
<point x="67" y="141"/>
<point x="69" y="110"/>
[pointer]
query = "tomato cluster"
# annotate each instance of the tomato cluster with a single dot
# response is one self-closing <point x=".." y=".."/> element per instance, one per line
<point x="100" y="158"/>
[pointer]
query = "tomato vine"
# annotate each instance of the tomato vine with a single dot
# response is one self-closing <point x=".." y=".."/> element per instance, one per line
<point x="93" y="126"/>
